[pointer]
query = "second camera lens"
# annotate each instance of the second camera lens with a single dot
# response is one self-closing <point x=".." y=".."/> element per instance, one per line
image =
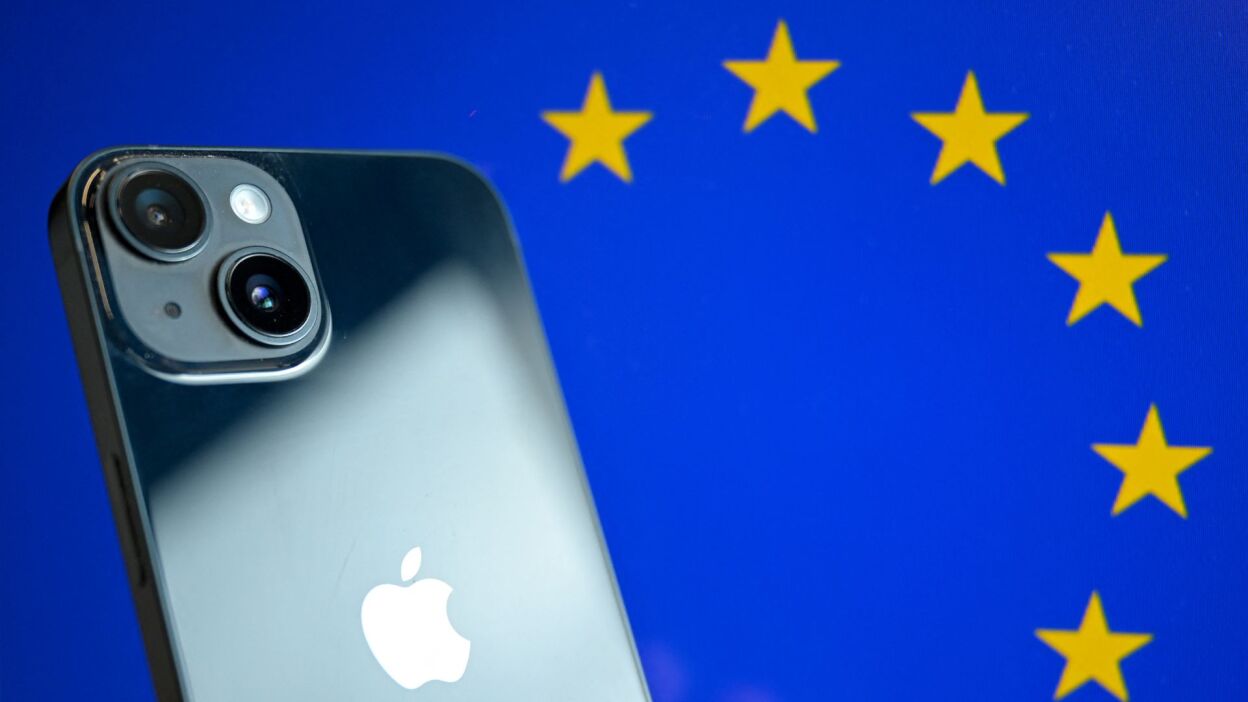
<point x="269" y="296"/>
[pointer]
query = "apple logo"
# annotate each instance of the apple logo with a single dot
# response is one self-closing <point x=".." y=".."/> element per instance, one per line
<point x="409" y="632"/>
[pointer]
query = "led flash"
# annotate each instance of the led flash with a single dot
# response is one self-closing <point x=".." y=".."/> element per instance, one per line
<point x="250" y="203"/>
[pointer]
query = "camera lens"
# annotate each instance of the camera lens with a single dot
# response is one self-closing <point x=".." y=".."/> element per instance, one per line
<point x="268" y="296"/>
<point x="160" y="213"/>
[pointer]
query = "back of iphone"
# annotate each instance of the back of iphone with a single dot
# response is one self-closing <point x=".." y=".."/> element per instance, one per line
<point x="336" y="448"/>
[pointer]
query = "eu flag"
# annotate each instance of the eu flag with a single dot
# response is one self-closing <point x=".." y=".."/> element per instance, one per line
<point x="933" y="303"/>
<point x="904" y="341"/>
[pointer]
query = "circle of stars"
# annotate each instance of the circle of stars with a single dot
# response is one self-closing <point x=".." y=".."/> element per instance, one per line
<point x="969" y="134"/>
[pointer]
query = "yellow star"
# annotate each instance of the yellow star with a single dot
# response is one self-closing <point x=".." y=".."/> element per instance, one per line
<point x="1092" y="652"/>
<point x="969" y="134"/>
<point x="1106" y="275"/>
<point x="1151" y="466"/>
<point x="597" y="133"/>
<point x="780" y="81"/>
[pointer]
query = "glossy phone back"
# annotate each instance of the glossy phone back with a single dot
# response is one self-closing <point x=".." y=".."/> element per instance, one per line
<point x="264" y="514"/>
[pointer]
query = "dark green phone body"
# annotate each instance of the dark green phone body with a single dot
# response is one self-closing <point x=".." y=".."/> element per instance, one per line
<point x="392" y="508"/>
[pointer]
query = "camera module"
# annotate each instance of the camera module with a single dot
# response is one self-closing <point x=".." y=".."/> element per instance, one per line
<point x="159" y="211"/>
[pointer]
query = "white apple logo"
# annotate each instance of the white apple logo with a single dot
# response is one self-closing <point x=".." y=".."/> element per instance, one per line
<point x="408" y="630"/>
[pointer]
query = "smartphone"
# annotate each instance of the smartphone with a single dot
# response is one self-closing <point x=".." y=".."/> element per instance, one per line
<point x="336" y="448"/>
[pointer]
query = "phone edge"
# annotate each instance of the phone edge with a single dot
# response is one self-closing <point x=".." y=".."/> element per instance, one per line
<point x="89" y="350"/>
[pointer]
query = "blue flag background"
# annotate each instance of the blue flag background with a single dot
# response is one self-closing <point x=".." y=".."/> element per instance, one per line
<point x="839" y="430"/>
